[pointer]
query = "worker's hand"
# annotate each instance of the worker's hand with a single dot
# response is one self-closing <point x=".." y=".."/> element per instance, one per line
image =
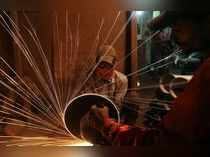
<point x="99" y="116"/>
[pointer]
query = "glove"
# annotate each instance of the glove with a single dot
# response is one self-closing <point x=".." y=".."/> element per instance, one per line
<point x="99" y="116"/>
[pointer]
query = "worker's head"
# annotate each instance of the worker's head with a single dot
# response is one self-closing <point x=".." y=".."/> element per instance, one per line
<point x="189" y="29"/>
<point x="106" y="56"/>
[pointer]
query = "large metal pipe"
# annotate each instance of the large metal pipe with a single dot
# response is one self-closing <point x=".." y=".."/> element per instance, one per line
<point x="80" y="105"/>
<point x="164" y="83"/>
<point x="173" y="84"/>
<point x="178" y="84"/>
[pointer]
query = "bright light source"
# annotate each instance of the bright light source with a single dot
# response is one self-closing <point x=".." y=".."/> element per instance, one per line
<point x="81" y="143"/>
<point x="138" y="84"/>
<point x="139" y="13"/>
<point x="156" y="13"/>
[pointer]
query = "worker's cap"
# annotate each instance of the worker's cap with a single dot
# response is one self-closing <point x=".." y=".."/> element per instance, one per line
<point x="167" y="18"/>
<point x="107" y="54"/>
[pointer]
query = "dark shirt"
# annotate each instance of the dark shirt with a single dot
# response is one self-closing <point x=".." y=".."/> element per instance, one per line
<point x="190" y="116"/>
<point x="188" y="121"/>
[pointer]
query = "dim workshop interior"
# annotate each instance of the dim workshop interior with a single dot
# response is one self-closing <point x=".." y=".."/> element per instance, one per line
<point x="104" y="77"/>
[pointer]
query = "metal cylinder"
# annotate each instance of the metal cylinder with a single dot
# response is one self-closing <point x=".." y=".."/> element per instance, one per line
<point x="80" y="105"/>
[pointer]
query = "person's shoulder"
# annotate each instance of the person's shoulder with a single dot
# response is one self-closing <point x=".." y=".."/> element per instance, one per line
<point x="121" y="76"/>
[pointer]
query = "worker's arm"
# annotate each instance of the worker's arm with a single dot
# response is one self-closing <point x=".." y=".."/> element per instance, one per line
<point x="121" y="90"/>
<point x="190" y="111"/>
